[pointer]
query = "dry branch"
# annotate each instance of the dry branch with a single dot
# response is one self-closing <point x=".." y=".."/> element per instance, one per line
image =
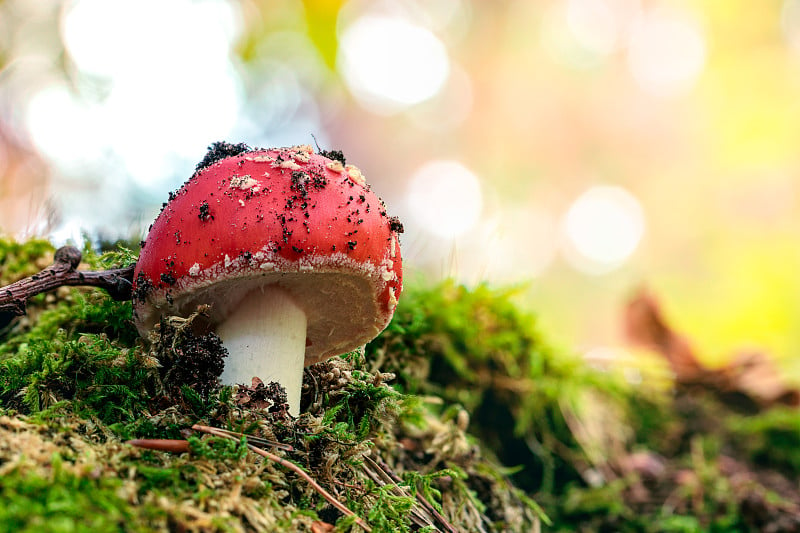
<point x="118" y="282"/>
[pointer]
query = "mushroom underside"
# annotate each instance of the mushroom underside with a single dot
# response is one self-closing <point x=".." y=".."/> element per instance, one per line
<point x="342" y="309"/>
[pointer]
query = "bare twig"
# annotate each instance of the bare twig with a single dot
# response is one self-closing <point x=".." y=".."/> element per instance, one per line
<point x="425" y="503"/>
<point x="162" y="445"/>
<point x="251" y="439"/>
<point x="118" y="282"/>
<point x="294" y="468"/>
<point x="179" y="446"/>
<point x="418" y="513"/>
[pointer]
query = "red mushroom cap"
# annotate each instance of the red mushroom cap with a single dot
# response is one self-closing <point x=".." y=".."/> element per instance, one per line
<point x="289" y="217"/>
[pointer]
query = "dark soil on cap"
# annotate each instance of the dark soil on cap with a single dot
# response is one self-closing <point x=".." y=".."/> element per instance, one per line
<point x="221" y="150"/>
<point x="333" y="154"/>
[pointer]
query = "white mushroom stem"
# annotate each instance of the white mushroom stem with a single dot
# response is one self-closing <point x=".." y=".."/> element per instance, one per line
<point x="265" y="335"/>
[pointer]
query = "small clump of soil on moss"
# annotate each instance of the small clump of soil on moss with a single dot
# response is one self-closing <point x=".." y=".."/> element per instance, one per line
<point x="188" y="358"/>
<point x="270" y="398"/>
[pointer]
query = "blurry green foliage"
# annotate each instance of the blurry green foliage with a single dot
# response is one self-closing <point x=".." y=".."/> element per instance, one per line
<point x="771" y="439"/>
<point x="477" y="348"/>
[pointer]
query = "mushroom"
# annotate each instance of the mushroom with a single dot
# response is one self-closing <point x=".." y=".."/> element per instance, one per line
<point x="295" y="254"/>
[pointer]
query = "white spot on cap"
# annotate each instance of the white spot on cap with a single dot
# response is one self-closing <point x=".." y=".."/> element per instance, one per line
<point x="195" y="270"/>
<point x="286" y="164"/>
<point x="301" y="155"/>
<point x="335" y="166"/>
<point x="260" y="159"/>
<point x="243" y="182"/>
<point x="354" y="173"/>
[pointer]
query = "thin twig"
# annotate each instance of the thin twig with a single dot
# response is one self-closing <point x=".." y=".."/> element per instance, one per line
<point x="162" y="445"/>
<point x="417" y="513"/>
<point x="425" y="503"/>
<point x="294" y="468"/>
<point x="175" y="445"/>
<point x="118" y="282"/>
<point x="251" y="439"/>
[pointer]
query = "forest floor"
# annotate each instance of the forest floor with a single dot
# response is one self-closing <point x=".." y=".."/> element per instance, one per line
<point x="460" y="416"/>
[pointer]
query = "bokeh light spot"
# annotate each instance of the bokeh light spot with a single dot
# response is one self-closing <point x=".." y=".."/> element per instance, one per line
<point x="389" y="63"/>
<point x="444" y="198"/>
<point x="602" y="228"/>
<point x="592" y="24"/>
<point x="667" y="53"/>
<point x="109" y="38"/>
<point x="167" y="89"/>
<point x="61" y="126"/>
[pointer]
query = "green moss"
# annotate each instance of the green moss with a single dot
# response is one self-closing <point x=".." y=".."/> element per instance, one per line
<point x="91" y="372"/>
<point x="82" y="312"/>
<point x="408" y="433"/>
<point x="478" y="349"/>
<point x="18" y="260"/>
<point x="79" y="372"/>
<point x="218" y="448"/>
<point x="64" y="502"/>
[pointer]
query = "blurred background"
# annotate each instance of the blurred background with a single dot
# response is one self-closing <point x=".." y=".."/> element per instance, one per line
<point x="580" y="149"/>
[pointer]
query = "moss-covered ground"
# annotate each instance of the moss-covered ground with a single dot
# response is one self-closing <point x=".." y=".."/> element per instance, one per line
<point x="459" y="417"/>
